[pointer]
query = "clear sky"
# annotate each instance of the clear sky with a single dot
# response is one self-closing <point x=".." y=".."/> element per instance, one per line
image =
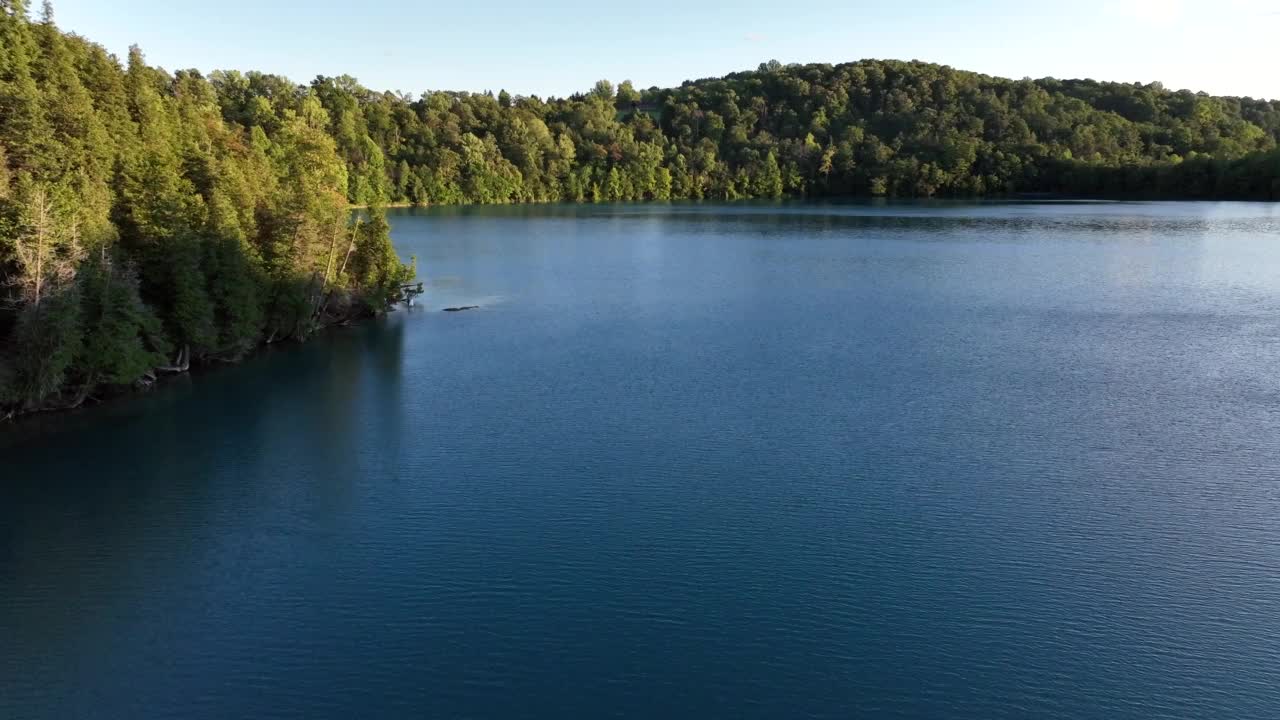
<point x="556" y="47"/>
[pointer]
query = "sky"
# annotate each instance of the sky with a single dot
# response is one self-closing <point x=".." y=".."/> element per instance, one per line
<point x="557" y="47"/>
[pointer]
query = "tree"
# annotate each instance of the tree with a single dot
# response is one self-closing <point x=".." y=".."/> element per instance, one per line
<point x="375" y="268"/>
<point x="43" y="241"/>
<point x="49" y="337"/>
<point x="603" y="90"/>
<point x="769" y="181"/>
<point x="22" y="128"/>
<point x="123" y="337"/>
<point x="627" y="94"/>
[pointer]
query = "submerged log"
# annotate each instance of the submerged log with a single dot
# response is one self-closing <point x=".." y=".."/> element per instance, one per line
<point x="460" y="309"/>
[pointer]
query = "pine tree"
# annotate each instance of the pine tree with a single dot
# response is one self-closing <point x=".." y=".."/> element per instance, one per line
<point x="22" y="127"/>
<point x="161" y="216"/>
<point x="48" y="337"/>
<point x="123" y="338"/>
<point x="84" y="150"/>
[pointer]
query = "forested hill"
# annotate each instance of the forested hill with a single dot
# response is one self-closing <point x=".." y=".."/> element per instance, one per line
<point x="150" y="220"/>
<point x="867" y="128"/>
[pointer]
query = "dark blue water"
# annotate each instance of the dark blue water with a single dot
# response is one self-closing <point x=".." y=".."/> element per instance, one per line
<point x="925" y="461"/>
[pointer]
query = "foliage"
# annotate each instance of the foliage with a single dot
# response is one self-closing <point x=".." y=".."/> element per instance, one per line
<point x="144" y="214"/>
<point x="866" y="128"/>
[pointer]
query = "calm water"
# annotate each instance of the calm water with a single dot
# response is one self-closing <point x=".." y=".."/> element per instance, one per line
<point x="923" y="461"/>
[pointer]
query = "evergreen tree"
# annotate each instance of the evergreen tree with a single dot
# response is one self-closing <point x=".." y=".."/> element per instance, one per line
<point x="147" y="216"/>
<point x="48" y="338"/>
<point x="22" y="127"/>
<point x="123" y="338"/>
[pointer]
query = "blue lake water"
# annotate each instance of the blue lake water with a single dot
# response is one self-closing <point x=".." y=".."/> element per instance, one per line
<point x="748" y="461"/>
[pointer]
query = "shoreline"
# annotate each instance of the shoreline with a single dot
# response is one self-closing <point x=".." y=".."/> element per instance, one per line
<point x="115" y="394"/>
<point x="1028" y="197"/>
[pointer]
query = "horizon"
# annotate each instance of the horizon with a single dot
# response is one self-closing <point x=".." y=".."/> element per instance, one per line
<point x="388" y="60"/>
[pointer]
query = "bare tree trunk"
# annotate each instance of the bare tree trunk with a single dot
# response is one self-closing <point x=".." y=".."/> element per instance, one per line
<point x="81" y="396"/>
<point x="42" y="221"/>
<point x="333" y="247"/>
<point x="350" y="248"/>
<point x="181" y="363"/>
<point x="40" y="232"/>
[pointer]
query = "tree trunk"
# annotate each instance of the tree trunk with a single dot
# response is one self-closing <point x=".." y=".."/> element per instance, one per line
<point x="350" y="248"/>
<point x="181" y="363"/>
<point x="42" y="230"/>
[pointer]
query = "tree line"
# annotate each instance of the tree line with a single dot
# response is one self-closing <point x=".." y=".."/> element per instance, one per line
<point x="150" y="219"/>
<point x="869" y="128"/>
<point x="142" y="231"/>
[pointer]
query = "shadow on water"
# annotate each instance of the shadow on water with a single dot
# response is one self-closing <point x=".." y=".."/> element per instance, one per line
<point x="202" y="471"/>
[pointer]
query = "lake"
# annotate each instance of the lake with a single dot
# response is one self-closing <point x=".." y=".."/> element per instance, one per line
<point x="935" y="460"/>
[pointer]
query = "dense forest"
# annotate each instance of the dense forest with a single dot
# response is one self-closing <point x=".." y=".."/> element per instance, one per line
<point x="150" y="220"/>
<point x="141" y="232"/>
<point x="867" y="128"/>
<point x="870" y="128"/>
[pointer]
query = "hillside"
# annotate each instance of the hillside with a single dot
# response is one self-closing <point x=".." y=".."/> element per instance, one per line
<point x="867" y="128"/>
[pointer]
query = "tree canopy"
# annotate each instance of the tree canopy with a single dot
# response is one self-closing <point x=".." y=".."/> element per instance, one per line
<point x="874" y="127"/>
<point x="142" y="228"/>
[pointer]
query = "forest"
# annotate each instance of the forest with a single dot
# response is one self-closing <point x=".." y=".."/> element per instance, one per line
<point x="869" y="128"/>
<point x="152" y="220"/>
<point x="141" y="233"/>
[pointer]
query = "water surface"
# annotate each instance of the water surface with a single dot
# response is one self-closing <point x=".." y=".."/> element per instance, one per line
<point x="913" y="461"/>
